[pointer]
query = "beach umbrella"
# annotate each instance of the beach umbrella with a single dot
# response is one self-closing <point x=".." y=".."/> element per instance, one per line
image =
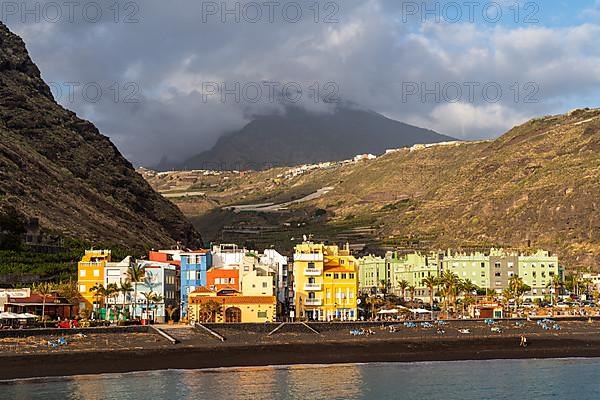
<point x="29" y="315"/>
<point x="8" y="315"/>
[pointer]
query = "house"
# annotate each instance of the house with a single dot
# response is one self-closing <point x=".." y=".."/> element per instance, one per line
<point x="160" y="279"/>
<point x="230" y="306"/>
<point x="54" y="306"/>
<point x="193" y="269"/>
<point x="90" y="272"/>
<point x="325" y="282"/>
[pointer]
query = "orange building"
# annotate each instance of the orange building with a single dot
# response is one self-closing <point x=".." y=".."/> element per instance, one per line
<point x="221" y="278"/>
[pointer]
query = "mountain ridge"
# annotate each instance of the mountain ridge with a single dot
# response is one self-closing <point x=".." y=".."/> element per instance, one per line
<point x="303" y="137"/>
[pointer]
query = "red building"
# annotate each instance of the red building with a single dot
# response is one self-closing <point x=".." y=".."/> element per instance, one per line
<point x="55" y="306"/>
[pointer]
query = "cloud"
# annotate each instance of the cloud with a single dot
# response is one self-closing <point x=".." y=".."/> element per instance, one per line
<point x="157" y="75"/>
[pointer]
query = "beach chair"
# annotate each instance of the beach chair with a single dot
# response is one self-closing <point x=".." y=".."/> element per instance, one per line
<point x="52" y="344"/>
<point x="62" y="341"/>
<point x="556" y="327"/>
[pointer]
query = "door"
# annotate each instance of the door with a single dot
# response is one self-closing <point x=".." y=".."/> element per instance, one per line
<point x="233" y="314"/>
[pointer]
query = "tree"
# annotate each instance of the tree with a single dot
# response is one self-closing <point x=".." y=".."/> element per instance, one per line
<point x="136" y="274"/>
<point x="411" y="290"/>
<point x="43" y="289"/>
<point x="125" y="289"/>
<point x="171" y="310"/>
<point x="209" y="310"/>
<point x="431" y="282"/>
<point x="99" y="292"/>
<point x="374" y="303"/>
<point x="556" y="283"/>
<point x="468" y="288"/>
<point x="450" y="284"/>
<point x="517" y="288"/>
<point x="403" y="284"/>
<point x="112" y="291"/>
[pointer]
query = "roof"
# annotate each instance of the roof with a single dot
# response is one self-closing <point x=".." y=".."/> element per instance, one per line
<point x="203" y="289"/>
<point x="36" y="300"/>
<point x="233" y="300"/>
<point x="341" y="269"/>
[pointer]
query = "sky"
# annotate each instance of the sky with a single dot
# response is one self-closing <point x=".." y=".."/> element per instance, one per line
<point x="168" y="78"/>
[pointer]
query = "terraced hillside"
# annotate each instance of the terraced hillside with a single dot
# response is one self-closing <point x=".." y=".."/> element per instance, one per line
<point x="536" y="186"/>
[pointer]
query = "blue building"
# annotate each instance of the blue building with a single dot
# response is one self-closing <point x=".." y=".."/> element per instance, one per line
<point x="193" y="274"/>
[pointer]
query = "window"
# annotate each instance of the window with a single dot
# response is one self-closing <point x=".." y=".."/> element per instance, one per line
<point x="351" y="276"/>
<point x="497" y="265"/>
<point x="82" y="289"/>
<point x="265" y="284"/>
<point x="343" y="276"/>
<point x="497" y="274"/>
<point x="342" y="262"/>
<point x="262" y="314"/>
<point x="232" y="280"/>
<point x="328" y="275"/>
<point x="511" y="265"/>
<point x="246" y="268"/>
<point x="483" y="274"/>
<point x="336" y="276"/>
<point x="311" y="265"/>
<point x="96" y="272"/>
<point x="82" y="273"/>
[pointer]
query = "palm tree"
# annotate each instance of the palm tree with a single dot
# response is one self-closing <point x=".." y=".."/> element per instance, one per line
<point x="450" y="283"/>
<point x="431" y="282"/>
<point x="506" y="296"/>
<point x="403" y="284"/>
<point x="136" y="273"/>
<point x="44" y="289"/>
<point x="517" y="288"/>
<point x="112" y="290"/>
<point x="373" y="302"/>
<point x="125" y="289"/>
<point x="411" y="290"/>
<point x="556" y="283"/>
<point x="468" y="288"/>
<point x="99" y="292"/>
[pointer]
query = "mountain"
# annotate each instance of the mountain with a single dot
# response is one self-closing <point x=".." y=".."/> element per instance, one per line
<point x="59" y="169"/>
<point x="536" y="186"/>
<point x="299" y="137"/>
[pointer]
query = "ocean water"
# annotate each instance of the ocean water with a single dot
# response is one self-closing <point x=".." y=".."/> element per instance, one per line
<point x="497" y="379"/>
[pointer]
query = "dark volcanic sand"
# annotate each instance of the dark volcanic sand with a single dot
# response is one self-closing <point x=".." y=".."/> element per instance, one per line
<point x="126" y="352"/>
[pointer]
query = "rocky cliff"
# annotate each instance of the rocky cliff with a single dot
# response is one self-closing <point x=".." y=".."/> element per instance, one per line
<point x="62" y="170"/>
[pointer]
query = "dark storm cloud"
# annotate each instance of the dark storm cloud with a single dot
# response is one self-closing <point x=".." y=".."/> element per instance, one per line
<point x="156" y="65"/>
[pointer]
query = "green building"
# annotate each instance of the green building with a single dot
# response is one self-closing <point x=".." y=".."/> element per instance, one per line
<point x="371" y="274"/>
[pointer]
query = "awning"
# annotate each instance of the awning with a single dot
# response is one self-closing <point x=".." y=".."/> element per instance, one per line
<point x="8" y="315"/>
<point x="419" y="311"/>
<point x="392" y="311"/>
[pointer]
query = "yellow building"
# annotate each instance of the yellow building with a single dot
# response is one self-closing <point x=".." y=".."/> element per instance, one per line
<point x="228" y="305"/>
<point x="325" y="283"/>
<point x="90" y="271"/>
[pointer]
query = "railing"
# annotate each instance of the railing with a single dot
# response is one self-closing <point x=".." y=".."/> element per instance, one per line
<point x="313" y="302"/>
<point x="312" y="272"/>
<point x="308" y="257"/>
<point x="312" y="286"/>
<point x="90" y="264"/>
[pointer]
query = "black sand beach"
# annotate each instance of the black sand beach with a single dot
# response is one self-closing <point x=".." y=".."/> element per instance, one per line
<point x="250" y="346"/>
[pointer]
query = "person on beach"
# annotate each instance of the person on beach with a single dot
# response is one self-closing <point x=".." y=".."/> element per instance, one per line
<point x="523" y="341"/>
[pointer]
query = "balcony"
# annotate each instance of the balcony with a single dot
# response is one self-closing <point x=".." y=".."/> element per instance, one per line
<point x="313" y="287"/>
<point x="313" y="272"/>
<point x="313" y="302"/>
<point x="308" y="257"/>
